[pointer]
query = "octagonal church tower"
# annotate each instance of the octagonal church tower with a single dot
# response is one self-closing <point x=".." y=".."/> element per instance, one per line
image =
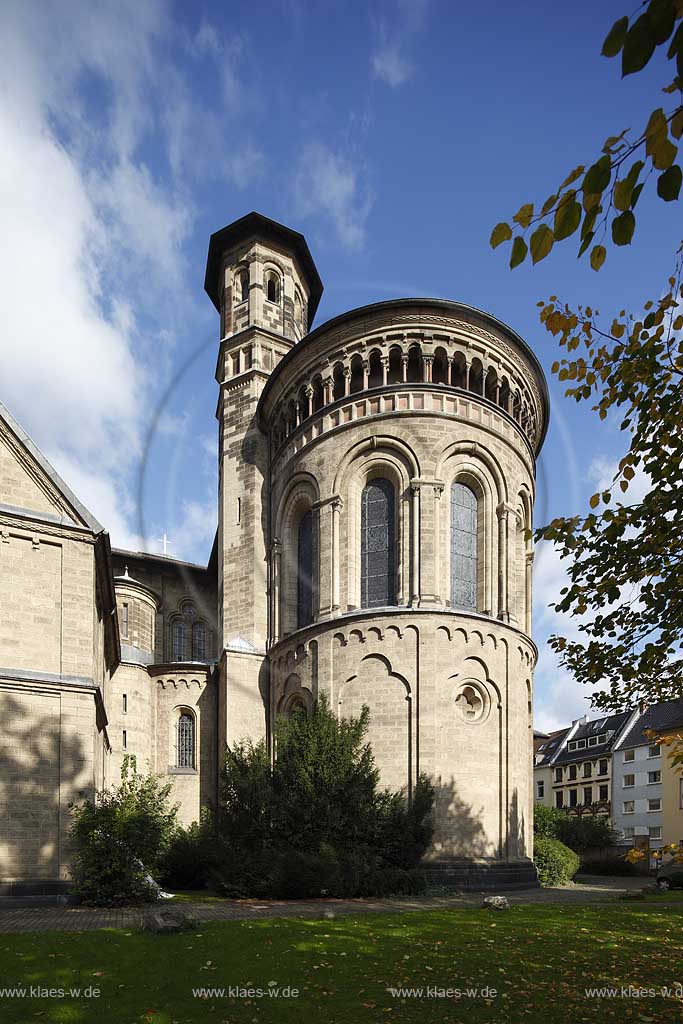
<point x="377" y="477"/>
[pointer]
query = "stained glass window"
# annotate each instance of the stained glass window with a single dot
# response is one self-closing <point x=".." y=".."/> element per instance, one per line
<point x="199" y="642"/>
<point x="377" y="545"/>
<point x="304" y="582"/>
<point x="178" y="640"/>
<point x="463" y="547"/>
<point x="185" y="741"/>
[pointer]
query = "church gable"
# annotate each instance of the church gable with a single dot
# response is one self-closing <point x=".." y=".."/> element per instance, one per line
<point x="29" y="483"/>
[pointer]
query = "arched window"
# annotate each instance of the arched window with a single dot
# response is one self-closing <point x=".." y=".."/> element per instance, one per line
<point x="377" y="553"/>
<point x="199" y="642"/>
<point x="178" y="641"/>
<point x="273" y="287"/>
<point x="185" y="746"/>
<point x="463" y="547"/>
<point x="304" y="577"/>
<point x="298" y="309"/>
<point x="242" y="285"/>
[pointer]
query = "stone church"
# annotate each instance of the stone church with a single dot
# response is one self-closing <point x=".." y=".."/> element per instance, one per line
<point x="376" y="479"/>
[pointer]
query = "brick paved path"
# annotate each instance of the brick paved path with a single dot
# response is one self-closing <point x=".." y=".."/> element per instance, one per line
<point x="75" y="919"/>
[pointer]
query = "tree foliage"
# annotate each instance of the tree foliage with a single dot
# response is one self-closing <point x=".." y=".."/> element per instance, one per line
<point x="625" y="557"/>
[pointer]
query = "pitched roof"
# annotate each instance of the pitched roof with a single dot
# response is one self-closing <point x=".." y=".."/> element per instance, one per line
<point x="81" y="512"/>
<point x="658" y="718"/>
<point x="609" y="726"/>
<point x="545" y="750"/>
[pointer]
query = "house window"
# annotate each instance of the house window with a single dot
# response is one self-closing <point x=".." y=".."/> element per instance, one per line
<point x="654" y="805"/>
<point x="558" y="775"/>
<point x="602" y="767"/>
<point x="124" y="621"/>
<point x="185" y="747"/>
<point x="124" y="703"/>
<point x="653" y="778"/>
<point x="654" y="750"/>
<point x="588" y="795"/>
<point x="573" y="798"/>
<point x="629" y="832"/>
<point x="655" y="831"/>
<point x="572" y="771"/>
<point x="377" y="545"/>
<point x="629" y="755"/>
<point x="124" y="740"/>
<point x="629" y="780"/>
<point x="629" y="806"/>
<point x="540" y="789"/>
<point x="580" y="744"/>
<point x="604" y="793"/>
<point x="593" y="741"/>
<point x="304" y="579"/>
<point x="199" y="642"/>
<point x="587" y="770"/>
<point x="571" y="745"/>
<point x="464" y="515"/>
<point x="178" y="641"/>
<point x="559" y="799"/>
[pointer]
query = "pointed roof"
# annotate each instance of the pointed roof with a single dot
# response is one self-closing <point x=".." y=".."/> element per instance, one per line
<point x="81" y="517"/>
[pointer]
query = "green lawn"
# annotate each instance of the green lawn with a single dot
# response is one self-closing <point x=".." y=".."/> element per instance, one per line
<point x="538" y="959"/>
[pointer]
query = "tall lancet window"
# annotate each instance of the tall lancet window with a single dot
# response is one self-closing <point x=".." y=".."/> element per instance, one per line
<point x="304" y="577"/>
<point x="185" y="756"/>
<point x="178" y="640"/>
<point x="463" y="547"/>
<point x="377" y="555"/>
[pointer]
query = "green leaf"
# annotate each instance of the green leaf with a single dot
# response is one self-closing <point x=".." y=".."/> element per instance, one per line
<point x="519" y="251"/>
<point x="614" y="39"/>
<point x="573" y="176"/>
<point x="586" y="242"/>
<point x="598" y="176"/>
<point x="541" y="242"/>
<point x="598" y="254"/>
<point x="636" y="193"/>
<point x="669" y="183"/>
<point x="639" y="45"/>
<point x="524" y="215"/>
<point x="623" y="227"/>
<point x="677" y="124"/>
<point x="567" y="217"/>
<point x="501" y="233"/>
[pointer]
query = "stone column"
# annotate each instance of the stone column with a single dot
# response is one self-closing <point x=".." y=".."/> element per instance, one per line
<point x="528" y="590"/>
<point x="427" y="364"/>
<point x="404" y="367"/>
<point x="430" y="545"/>
<point x="276" y="562"/>
<point x="385" y="370"/>
<point x="347" y="380"/>
<point x="328" y="390"/>
<point x="503" y="512"/>
<point x="468" y="364"/>
<point x="337" y="505"/>
<point x="366" y="372"/>
<point x="415" y="543"/>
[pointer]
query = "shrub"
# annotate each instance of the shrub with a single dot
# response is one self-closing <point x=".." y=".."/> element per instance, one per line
<point x="610" y="866"/>
<point x="121" y="838"/>
<point x="190" y="859"/>
<point x="586" y="833"/>
<point x="556" y="863"/>
<point x="547" y="821"/>
<point x="316" y="823"/>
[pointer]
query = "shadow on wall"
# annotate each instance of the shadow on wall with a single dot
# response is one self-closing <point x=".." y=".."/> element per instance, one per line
<point x="460" y="834"/>
<point x="37" y="762"/>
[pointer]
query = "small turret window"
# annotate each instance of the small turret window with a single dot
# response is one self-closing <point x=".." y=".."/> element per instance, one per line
<point x="273" y="287"/>
<point x="242" y="285"/>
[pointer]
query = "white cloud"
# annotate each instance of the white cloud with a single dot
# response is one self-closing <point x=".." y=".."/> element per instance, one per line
<point x="396" y="31"/>
<point x="327" y="184"/>
<point x="391" y="66"/>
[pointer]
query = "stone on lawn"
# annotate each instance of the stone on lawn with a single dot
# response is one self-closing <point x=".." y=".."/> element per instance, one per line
<point x="496" y="903"/>
<point x="167" y="921"/>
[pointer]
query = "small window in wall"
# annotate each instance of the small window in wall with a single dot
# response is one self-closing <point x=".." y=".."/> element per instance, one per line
<point x="629" y="755"/>
<point x="629" y="806"/>
<point x="654" y="805"/>
<point x="573" y="798"/>
<point x="629" y="832"/>
<point x="604" y="793"/>
<point x="653" y="777"/>
<point x="377" y="545"/>
<point x="655" y="831"/>
<point x="602" y="767"/>
<point x="273" y="287"/>
<point x="559" y="799"/>
<point x="124" y="620"/>
<point x="629" y="781"/>
<point x="558" y="775"/>
<point x="572" y="771"/>
<point x="185" y="746"/>
<point x="540" y="789"/>
<point x="587" y="795"/>
<point x="199" y="642"/>
<point x="654" y="750"/>
<point x="587" y="770"/>
<point x="242" y="285"/>
<point x="124" y="740"/>
<point x="125" y="704"/>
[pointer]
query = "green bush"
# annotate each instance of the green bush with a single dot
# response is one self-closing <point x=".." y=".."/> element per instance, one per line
<point x="120" y="840"/>
<point x="610" y="866"/>
<point x="556" y="863"/>
<point x="315" y="822"/>
<point x="190" y="859"/>
<point x="547" y="821"/>
<point x="586" y="833"/>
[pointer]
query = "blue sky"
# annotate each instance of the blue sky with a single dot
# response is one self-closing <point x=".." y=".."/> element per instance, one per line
<point x="394" y="135"/>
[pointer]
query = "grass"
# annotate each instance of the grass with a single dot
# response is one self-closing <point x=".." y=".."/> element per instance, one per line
<point x="539" y="959"/>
